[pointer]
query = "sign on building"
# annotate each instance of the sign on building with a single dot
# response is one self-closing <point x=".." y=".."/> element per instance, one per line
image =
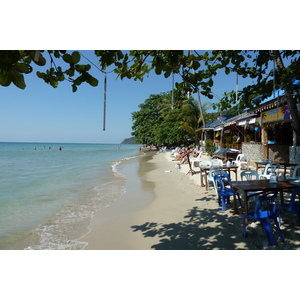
<point x="277" y="114"/>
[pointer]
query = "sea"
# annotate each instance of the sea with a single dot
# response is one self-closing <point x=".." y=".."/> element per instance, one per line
<point x="49" y="192"/>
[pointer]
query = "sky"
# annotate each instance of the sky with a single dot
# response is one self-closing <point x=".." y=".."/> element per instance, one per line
<point x="41" y="113"/>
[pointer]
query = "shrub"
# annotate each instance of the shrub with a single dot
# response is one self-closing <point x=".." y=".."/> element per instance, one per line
<point x="209" y="147"/>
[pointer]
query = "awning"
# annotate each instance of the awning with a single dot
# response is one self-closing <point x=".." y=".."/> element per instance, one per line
<point x="218" y="128"/>
<point x="201" y="128"/>
<point x="246" y="122"/>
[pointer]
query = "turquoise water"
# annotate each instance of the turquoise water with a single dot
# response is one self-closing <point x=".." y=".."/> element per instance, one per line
<point x="48" y="196"/>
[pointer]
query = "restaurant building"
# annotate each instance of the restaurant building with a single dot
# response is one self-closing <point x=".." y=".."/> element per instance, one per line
<point x="264" y="132"/>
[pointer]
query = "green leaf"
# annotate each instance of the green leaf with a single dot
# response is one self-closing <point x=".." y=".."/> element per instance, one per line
<point x="70" y="72"/>
<point x="74" y="88"/>
<point x="75" y="57"/>
<point x="67" y="58"/>
<point x="81" y="68"/>
<point x="60" y="76"/>
<point x="53" y="82"/>
<point x="41" y="61"/>
<point x="17" y="78"/>
<point x="158" y="70"/>
<point x="23" y="68"/>
<point x="196" y="64"/>
<point x="78" y="80"/>
<point x="9" y="56"/>
<point x="227" y="70"/>
<point x="5" y="80"/>
<point x="167" y="73"/>
<point x="92" y="80"/>
<point x="40" y="74"/>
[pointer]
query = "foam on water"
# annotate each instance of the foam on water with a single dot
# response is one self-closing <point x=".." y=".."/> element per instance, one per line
<point x="69" y="224"/>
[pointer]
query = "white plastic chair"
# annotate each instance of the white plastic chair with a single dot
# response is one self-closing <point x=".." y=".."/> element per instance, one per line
<point x="205" y="164"/>
<point x="268" y="170"/>
<point x="196" y="160"/>
<point x="213" y="171"/>
<point x="239" y="161"/>
<point x="217" y="162"/>
<point x="294" y="175"/>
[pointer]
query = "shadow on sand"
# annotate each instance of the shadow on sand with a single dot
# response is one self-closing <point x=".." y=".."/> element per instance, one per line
<point x="208" y="229"/>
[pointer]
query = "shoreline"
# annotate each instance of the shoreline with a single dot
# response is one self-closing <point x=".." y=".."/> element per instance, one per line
<point x="165" y="209"/>
<point x="110" y="228"/>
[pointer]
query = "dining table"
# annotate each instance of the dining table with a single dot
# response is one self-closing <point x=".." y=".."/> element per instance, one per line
<point x="259" y="186"/>
<point x="204" y="170"/>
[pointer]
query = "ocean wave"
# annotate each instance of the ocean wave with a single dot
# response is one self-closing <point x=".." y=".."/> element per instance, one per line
<point x="63" y="231"/>
<point x="118" y="162"/>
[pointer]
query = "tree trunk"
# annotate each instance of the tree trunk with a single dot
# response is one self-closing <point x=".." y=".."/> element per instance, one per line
<point x="291" y="100"/>
<point x="295" y="118"/>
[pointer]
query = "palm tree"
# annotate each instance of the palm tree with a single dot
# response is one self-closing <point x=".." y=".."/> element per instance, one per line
<point x="190" y="116"/>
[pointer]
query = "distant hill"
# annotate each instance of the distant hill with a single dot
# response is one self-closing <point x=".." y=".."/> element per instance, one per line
<point x="131" y="140"/>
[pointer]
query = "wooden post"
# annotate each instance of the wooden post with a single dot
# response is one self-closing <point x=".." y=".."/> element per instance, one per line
<point x="264" y="141"/>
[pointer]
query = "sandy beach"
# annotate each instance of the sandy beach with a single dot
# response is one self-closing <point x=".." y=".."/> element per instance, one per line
<point x="165" y="208"/>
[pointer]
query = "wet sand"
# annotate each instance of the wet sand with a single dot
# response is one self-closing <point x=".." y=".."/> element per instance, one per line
<point x="111" y="227"/>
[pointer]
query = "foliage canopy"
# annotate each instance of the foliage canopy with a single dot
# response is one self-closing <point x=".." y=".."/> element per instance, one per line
<point x="197" y="70"/>
<point x="160" y="122"/>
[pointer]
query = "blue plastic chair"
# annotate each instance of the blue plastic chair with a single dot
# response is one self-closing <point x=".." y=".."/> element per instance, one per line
<point x="264" y="216"/>
<point x="224" y="189"/>
<point x="293" y="206"/>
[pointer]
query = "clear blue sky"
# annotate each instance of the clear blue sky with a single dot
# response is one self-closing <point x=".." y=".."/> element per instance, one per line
<point x="41" y="113"/>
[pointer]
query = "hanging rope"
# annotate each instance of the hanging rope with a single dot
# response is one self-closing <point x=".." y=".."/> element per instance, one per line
<point x="104" y="103"/>
<point x="105" y="85"/>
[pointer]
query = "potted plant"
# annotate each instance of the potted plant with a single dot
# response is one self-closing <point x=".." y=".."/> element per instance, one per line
<point x="234" y="141"/>
<point x="228" y="141"/>
<point x="209" y="147"/>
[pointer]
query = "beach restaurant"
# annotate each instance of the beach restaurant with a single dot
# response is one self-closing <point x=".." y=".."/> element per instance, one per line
<point x="264" y="132"/>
